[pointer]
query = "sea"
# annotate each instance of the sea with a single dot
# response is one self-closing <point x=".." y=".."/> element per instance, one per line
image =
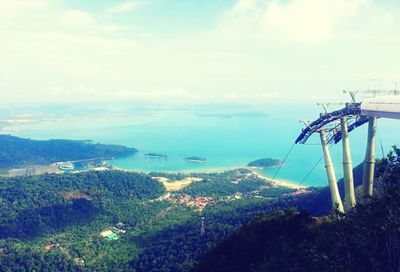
<point x="227" y="135"/>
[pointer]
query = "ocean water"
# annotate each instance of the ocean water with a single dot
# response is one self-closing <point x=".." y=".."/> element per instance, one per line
<point x="228" y="136"/>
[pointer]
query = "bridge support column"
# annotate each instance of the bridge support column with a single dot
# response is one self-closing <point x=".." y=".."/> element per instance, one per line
<point x="369" y="161"/>
<point x="330" y="172"/>
<point x="350" y="198"/>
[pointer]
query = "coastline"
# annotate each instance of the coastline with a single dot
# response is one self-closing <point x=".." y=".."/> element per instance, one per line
<point x="216" y="170"/>
<point x="253" y="170"/>
<point x="284" y="183"/>
<point x="42" y="169"/>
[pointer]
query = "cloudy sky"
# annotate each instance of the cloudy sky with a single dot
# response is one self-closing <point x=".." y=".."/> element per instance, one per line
<point x="191" y="50"/>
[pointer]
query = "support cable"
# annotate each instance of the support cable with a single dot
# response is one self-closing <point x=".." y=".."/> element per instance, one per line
<point x="313" y="168"/>
<point x="283" y="161"/>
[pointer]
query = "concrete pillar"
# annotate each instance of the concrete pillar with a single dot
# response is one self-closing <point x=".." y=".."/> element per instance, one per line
<point x="369" y="161"/>
<point x="330" y="172"/>
<point x="350" y="198"/>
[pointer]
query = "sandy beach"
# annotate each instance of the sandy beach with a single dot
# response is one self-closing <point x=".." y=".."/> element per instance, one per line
<point x="284" y="183"/>
<point x="254" y="170"/>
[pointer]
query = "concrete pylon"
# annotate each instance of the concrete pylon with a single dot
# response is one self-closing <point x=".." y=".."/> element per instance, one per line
<point x="369" y="161"/>
<point x="337" y="204"/>
<point x="203" y="228"/>
<point x="350" y="198"/>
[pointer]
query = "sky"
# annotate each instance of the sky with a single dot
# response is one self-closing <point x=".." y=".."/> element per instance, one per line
<point x="180" y="51"/>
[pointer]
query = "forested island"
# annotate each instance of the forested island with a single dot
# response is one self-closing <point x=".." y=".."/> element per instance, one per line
<point x="195" y="159"/>
<point x="155" y="155"/>
<point x="265" y="162"/>
<point x="19" y="152"/>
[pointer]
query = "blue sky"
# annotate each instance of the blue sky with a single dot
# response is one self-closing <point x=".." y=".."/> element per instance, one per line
<point x="256" y="51"/>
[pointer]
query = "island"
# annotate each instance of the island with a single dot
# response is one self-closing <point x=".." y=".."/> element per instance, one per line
<point x="195" y="159"/>
<point x="265" y="162"/>
<point x="155" y="155"/>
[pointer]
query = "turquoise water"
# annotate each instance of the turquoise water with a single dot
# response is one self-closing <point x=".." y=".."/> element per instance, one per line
<point x="226" y="135"/>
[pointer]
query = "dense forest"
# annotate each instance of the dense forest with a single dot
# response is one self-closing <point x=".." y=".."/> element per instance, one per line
<point x="366" y="239"/>
<point x="53" y="220"/>
<point x="66" y="213"/>
<point x="225" y="184"/>
<point x="33" y="206"/>
<point x="17" y="152"/>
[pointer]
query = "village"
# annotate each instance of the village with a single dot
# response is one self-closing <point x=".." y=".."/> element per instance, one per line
<point x="199" y="202"/>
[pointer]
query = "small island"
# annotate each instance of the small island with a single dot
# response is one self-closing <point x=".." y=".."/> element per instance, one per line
<point x="155" y="155"/>
<point x="265" y="162"/>
<point x="195" y="159"/>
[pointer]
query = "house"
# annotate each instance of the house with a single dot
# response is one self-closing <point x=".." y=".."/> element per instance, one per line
<point x="108" y="234"/>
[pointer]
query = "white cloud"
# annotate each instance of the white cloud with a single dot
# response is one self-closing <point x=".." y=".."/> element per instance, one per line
<point x="300" y="21"/>
<point x="82" y="91"/>
<point x="56" y="90"/>
<point x="256" y="51"/>
<point x="246" y="97"/>
<point x="165" y="94"/>
<point x="77" y="17"/>
<point x="309" y="21"/>
<point x="44" y="16"/>
<point x="14" y="8"/>
<point x="123" y="7"/>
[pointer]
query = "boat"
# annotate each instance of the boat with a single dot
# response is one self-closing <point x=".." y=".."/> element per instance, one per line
<point x="66" y="166"/>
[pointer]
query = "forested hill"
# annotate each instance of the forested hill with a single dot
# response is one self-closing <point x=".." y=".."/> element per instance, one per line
<point x="54" y="222"/>
<point x="39" y="205"/>
<point x="47" y="221"/>
<point x="366" y="239"/>
<point x="17" y="152"/>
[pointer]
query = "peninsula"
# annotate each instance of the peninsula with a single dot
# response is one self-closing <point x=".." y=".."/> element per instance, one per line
<point x="20" y="152"/>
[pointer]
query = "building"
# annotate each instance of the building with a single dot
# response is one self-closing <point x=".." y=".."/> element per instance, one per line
<point x="108" y="234"/>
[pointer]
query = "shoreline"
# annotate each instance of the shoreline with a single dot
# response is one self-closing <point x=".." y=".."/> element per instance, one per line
<point x="254" y="170"/>
<point x="218" y="170"/>
<point x="284" y="183"/>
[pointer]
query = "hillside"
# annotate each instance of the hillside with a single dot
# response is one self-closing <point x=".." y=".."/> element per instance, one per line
<point x="367" y="239"/>
<point x="40" y="205"/>
<point x="17" y="152"/>
<point x="57" y="220"/>
<point x="52" y="221"/>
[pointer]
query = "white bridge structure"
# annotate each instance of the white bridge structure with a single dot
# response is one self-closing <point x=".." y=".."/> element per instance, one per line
<point x="383" y="106"/>
<point x="335" y="126"/>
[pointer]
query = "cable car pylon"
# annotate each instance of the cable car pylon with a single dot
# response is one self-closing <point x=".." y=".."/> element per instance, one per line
<point x="335" y="126"/>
